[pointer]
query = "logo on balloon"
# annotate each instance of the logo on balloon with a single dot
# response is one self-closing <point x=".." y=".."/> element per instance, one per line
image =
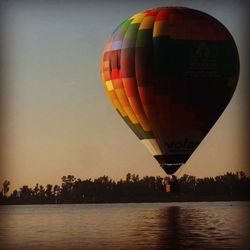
<point x="181" y="146"/>
<point x="203" y="62"/>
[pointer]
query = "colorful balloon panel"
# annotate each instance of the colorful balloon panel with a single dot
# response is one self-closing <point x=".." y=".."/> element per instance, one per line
<point x="170" y="72"/>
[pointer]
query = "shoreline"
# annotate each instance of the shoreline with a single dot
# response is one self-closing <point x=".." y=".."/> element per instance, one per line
<point x="140" y="200"/>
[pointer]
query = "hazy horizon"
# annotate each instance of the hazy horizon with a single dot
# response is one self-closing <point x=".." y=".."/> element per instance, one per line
<point x="56" y="118"/>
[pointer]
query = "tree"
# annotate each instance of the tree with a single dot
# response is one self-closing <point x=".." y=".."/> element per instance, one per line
<point x="56" y="190"/>
<point x="48" y="192"/>
<point x="5" y="188"/>
<point x="36" y="192"/>
<point x="41" y="193"/>
<point x="128" y="177"/>
<point x="67" y="187"/>
<point x="25" y="193"/>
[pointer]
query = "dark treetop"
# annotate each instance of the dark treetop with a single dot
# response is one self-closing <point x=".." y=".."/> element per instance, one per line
<point x="230" y="186"/>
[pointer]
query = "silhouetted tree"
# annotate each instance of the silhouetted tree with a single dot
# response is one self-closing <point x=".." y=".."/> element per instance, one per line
<point x="149" y="188"/>
<point x="25" y="193"/>
<point x="5" y="188"/>
<point x="41" y="193"/>
<point x="48" y="192"/>
<point x="128" y="177"/>
<point x="36" y="191"/>
<point x="67" y="187"/>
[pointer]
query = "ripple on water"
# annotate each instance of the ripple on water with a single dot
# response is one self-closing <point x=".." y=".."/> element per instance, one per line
<point x="215" y="225"/>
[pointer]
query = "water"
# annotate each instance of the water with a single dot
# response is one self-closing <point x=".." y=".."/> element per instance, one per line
<point x="197" y="225"/>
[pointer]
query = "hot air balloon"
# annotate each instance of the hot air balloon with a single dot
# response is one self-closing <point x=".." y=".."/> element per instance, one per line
<point x="170" y="73"/>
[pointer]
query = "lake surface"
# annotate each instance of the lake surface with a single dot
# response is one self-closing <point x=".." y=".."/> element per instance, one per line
<point x="194" y="225"/>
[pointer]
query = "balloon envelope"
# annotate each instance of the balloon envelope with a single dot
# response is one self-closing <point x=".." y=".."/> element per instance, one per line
<point x="170" y="72"/>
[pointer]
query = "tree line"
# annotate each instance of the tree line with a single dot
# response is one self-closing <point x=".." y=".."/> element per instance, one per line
<point x="230" y="186"/>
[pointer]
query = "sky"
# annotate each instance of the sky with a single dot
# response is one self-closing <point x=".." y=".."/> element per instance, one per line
<point x="55" y="117"/>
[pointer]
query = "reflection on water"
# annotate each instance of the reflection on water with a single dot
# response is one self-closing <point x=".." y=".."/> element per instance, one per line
<point x="210" y="228"/>
<point x="170" y="218"/>
<point x="215" y="225"/>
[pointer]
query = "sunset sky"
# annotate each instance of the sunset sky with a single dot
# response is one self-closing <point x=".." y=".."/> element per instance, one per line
<point x="56" y="117"/>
